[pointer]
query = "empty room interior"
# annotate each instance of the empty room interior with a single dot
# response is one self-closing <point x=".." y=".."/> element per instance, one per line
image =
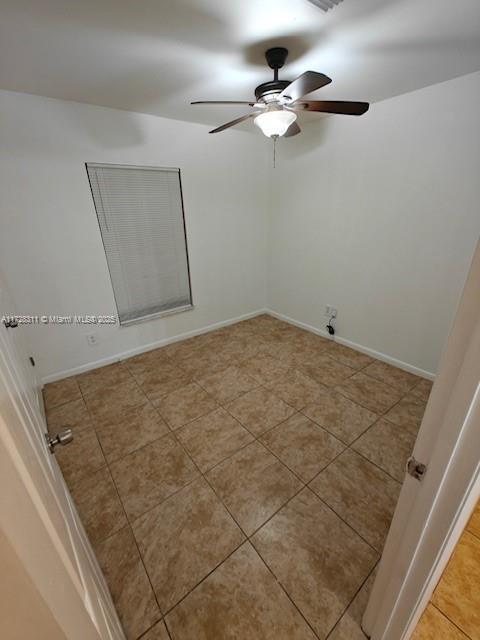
<point x="240" y="320"/>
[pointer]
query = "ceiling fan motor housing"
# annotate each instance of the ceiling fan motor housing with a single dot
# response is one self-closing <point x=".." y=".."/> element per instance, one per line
<point x="276" y="58"/>
<point x="268" y="90"/>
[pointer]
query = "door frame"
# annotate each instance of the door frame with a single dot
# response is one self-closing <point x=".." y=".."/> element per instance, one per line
<point x="37" y="515"/>
<point x="457" y="529"/>
<point x="27" y="527"/>
<point x="430" y="514"/>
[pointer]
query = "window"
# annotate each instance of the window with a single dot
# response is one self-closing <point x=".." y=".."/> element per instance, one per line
<point x="140" y="213"/>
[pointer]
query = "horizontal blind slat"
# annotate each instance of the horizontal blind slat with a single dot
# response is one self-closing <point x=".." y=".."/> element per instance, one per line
<point x="140" y="215"/>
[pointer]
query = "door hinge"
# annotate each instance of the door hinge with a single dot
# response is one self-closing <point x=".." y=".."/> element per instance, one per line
<point x="416" y="469"/>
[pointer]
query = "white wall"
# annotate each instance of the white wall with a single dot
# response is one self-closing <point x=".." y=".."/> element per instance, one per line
<point x="379" y="216"/>
<point x="50" y="246"/>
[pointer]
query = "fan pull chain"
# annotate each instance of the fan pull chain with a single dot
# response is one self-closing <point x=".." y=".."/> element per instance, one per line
<point x="274" y="150"/>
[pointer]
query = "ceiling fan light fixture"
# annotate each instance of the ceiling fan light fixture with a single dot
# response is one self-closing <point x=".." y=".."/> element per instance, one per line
<point x="280" y="99"/>
<point x="275" y="122"/>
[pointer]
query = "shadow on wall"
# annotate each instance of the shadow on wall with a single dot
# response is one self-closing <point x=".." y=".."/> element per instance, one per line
<point x="139" y="91"/>
<point x="107" y="128"/>
<point x="312" y="136"/>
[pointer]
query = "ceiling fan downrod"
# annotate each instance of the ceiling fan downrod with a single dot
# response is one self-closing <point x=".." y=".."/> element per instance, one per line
<point x="276" y="58"/>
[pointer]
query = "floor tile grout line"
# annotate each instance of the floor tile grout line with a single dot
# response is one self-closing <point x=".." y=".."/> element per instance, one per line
<point x="129" y="525"/>
<point x="172" y="429"/>
<point x="169" y="633"/>
<point x="204" y="475"/>
<point x="256" y="438"/>
<point x="292" y="497"/>
<point x="328" y="429"/>
<point x="130" y="522"/>
<point x="282" y="587"/>
<point x="351" y="601"/>
<point x="111" y="476"/>
<point x="307" y="485"/>
<point x="193" y="379"/>
<point x="172" y="433"/>
<point x="222" y="404"/>
<point x="349" y="447"/>
<point x="384" y="414"/>
<point x="247" y="537"/>
<point x="147" y="401"/>
<point x="255" y="332"/>
<point x="283" y="463"/>
<point x="304" y="486"/>
<point x="327" y="465"/>
<point x="467" y="637"/>
<point x="144" y="633"/>
<point x="379" y="467"/>
<point x="197" y="584"/>
<point x="207" y="480"/>
<point x="143" y="446"/>
<point x="380" y="417"/>
<point x="351" y="527"/>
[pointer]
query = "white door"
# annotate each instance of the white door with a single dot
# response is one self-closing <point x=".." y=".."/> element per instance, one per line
<point x="430" y="511"/>
<point x="39" y="517"/>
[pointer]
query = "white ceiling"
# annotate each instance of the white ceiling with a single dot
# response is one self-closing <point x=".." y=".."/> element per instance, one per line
<point x="155" y="56"/>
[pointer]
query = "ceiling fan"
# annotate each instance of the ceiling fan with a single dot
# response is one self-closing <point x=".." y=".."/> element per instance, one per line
<point x="278" y="101"/>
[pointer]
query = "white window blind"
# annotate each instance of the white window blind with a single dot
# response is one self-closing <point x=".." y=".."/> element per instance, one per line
<point x="140" y="213"/>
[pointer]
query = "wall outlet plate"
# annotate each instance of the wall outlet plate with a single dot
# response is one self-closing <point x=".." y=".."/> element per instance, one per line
<point x="92" y="339"/>
<point x="330" y="311"/>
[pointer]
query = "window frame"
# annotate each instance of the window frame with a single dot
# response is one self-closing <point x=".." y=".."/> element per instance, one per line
<point x="157" y="314"/>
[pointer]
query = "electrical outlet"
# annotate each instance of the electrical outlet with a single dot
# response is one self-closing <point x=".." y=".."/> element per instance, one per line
<point x="330" y="311"/>
<point x="92" y="339"/>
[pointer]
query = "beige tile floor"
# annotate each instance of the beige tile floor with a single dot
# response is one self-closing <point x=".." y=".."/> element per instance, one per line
<point x="239" y="484"/>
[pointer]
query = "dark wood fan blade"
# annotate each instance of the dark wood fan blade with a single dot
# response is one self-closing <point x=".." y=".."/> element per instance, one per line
<point x="292" y="130"/>
<point x="232" y="123"/>
<point x="333" y="106"/>
<point x="306" y="83"/>
<point x="252" y="104"/>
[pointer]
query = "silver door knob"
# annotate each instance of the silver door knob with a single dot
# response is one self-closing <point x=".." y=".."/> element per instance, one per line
<point x="63" y="437"/>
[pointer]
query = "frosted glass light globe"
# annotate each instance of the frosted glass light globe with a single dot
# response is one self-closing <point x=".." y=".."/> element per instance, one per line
<point x="275" y="122"/>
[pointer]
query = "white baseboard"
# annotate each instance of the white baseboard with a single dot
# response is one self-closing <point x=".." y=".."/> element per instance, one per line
<point x="147" y="347"/>
<point x="217" y="325"/>
<point x="358" y="347"/>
